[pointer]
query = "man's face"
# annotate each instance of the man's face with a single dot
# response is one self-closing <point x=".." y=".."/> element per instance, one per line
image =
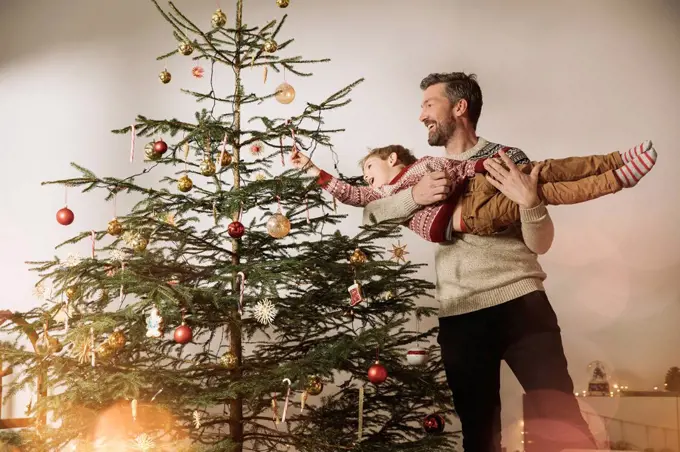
<point x="377" y="172"/>
<point x="437" y="115"/>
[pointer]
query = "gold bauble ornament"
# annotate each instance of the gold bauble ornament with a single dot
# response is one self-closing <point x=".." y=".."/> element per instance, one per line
<point x="283" y="3"/>
<point x="219" y="19"/>
<point x="229" y="360"/>
<point x="225" y="160"/>
<point x="285" y="93"/>
<point x="150" y="154"/>
<point x="165" y="77"/>
<point x="104" y="350"/>
<point x="72" y="293"/>
<point x="55" y="345"/>
<point x="185" y="48"/>
<point x="314" y="385"/>
<point x="114" y="228"/>
<point x="116" y="340"/>
<point x="208" y="167"/>
<point x="358" y="257"/>
<point x="139" y="243"/>
<point x="270" y="46"/>
<point x="184" y="184"/>
<point x="278" y="226"/>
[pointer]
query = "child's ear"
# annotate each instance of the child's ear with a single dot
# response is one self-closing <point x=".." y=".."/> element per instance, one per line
<point x="392" y="159"/>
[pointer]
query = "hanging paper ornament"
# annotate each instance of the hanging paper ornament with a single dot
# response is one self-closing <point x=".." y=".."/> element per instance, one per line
<point x="115" y="228"/>
<point x="356" y="295"/>
<point x="256" y="148"/>
<point x="165" y="77"/>
<point x="270" y="46"/>
<point x="433" y="424"/>
<point x="185" y="48"/>
<point x="285" y="93"/>
<point x="236" y="229"/>
<point x="417" y="356"/>
<point x="154" y="323"/>
<point x="358" y="257"/>
<point x="65" y="216"/>
<point x="219" y="19"/>
<point x="229" y="360"/>
<point x="184" y="184"/>
<point x="197" y="71"/>
<point x="377" y="373"/>
<point x="197" y="416"/>
<point x="208" y="167"/>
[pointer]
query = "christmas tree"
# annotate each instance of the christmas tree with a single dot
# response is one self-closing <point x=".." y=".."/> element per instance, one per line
<point x="224" y="311"/>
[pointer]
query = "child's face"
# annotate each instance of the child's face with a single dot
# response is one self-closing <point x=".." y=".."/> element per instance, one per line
<point x="379" y="172"/>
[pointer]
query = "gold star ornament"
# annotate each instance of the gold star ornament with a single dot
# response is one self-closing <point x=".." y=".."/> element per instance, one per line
<point x="399" y="252"/>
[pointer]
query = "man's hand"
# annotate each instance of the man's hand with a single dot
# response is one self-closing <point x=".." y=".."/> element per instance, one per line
<point x="521" y="188"/>
<point x="301" y="161"/>
<point x="432" y="188"/>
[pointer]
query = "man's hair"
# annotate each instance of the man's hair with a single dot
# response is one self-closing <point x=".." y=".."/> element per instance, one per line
<point x="404" y="156"/>
<point x="459" y="85"/>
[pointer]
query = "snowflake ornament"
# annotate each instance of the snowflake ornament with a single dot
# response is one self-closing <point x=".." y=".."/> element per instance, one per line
<point x="260" y="177"/>
<point x="71" y="261"/>
<point x="118" y="255"/>
<point x="265" y="311"/>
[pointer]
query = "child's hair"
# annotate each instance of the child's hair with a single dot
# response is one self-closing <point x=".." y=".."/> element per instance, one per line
<point x="404" y="156"/>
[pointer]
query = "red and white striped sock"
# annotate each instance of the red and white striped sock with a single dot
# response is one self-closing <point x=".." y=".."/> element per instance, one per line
<point x="633" y="152"/>
<point x="631" y="173"/>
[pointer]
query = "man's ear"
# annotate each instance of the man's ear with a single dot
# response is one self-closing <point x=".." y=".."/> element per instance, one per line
<point x="460" y="108"/>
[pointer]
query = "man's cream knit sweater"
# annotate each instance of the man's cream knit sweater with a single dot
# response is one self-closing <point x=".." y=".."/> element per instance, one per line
<point x="476" y="272"/>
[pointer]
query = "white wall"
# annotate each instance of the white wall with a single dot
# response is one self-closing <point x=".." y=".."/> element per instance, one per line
<point x="559" y="79"/>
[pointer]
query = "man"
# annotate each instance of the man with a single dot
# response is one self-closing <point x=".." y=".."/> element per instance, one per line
<point x="493" y="305"/>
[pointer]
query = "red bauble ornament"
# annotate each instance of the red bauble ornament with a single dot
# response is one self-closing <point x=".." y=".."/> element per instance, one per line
<point x="433" y="423"/>
<point x="377" y="373"/>
<point x="159" y="147"/>
<point x="236" y="229"/>
<point x="183" y="334"/>
<point x="65" y="216"/>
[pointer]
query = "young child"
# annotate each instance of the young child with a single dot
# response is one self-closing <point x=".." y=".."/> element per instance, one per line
<point x="482" y="208"/>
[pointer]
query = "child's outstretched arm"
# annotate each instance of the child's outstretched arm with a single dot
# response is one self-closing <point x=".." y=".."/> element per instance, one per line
<point x="342" y="191"/>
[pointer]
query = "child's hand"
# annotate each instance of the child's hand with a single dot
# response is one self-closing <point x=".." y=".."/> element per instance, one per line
<point x="301" y="161"/>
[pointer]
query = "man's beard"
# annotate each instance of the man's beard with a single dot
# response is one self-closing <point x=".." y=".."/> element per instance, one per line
<point x="441" y="134"/>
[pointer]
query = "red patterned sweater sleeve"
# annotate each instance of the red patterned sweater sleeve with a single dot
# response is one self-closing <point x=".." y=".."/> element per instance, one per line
<point x="432" y="222"/>
<point x="346" y="193"/>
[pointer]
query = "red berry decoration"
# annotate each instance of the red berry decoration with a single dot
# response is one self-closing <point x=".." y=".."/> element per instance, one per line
<point x="183" y="334"/>
<point x="377" y="373"/>
<point x="159" y="147"/>
<point x="65" y="216"/>
<point x="236" y="229"/>
<point x="433" y="423"/>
